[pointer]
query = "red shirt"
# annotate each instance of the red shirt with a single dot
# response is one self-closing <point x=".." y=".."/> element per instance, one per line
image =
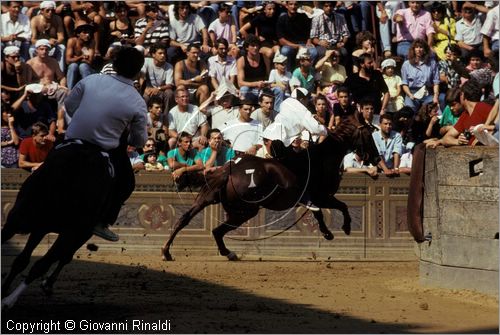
<point x="479" y="116"/>
<point x="33" y="153"/>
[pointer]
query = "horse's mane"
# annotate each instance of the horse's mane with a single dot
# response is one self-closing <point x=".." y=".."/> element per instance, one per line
<point x="344" y="131"/>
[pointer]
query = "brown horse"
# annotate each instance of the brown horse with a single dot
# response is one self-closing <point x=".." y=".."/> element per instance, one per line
<point x="249" y="183"/>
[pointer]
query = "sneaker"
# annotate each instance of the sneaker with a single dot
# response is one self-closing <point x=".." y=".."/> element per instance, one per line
<point x="310" y="206"/>
<point x="105" y="233"/>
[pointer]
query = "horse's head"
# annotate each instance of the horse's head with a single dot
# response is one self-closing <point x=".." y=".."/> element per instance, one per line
<point x="363" y="143"/>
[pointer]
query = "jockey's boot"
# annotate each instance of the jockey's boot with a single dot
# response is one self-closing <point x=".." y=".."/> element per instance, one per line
<point x="104" y="232"/>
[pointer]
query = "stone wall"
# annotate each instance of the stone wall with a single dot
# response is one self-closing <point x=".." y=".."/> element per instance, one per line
<point x="461" y="212"/>
<point x="377" y="207"/>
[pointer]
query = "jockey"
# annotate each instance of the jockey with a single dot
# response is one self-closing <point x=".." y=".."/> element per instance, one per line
<point x="293" y="118"/>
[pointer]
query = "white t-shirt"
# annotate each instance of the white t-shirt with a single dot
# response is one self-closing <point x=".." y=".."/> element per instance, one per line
<point x="221" y="116"/>
<point x="157" y="76"/>
<point x="188" y="121"/>
<point x="275" y="77"/>
<point x="188" y="31"/>
<point x="351" y="162"/>
<point x="406" y="160"/>
<point x="243" y="135"/>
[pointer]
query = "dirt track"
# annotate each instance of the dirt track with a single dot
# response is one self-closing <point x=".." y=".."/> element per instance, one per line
<point x="211" y="295"/>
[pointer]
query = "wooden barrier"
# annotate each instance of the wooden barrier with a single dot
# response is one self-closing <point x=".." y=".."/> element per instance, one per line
<point x="377" y="207"/>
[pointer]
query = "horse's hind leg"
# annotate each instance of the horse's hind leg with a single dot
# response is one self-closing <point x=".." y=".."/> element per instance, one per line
<point x="234" y="220"/>
<point x="327" y="234"/>
<point x="22" y="260"/>
<point x="179" y="225"/>
<point x="335" y="203"/>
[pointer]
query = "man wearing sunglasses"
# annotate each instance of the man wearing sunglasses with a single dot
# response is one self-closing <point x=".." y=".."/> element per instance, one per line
<point x="47" y="25"/>
<point x="14" y="72"/>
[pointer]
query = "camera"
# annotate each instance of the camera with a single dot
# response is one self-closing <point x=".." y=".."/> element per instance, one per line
<point x="467" y="134"/>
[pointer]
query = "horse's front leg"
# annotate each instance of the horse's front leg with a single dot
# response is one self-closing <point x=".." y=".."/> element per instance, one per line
<point x="341" y="206"/>
<point x="327" y="234"/>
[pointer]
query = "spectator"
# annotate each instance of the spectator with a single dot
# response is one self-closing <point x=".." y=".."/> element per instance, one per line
<point x="151" y="29"/>
<point x="353" y="163"/>
<point x="34" y="149"/>
<point x="389" y="145"/>
<point x="343" y="107"/>
<point x="252" y="71"/>
<point x="366" y="108"/>
<point x="151" y="147"/>
<point x="184" y="162"/>
<point x="449" y="69"/>
<point x="322" y="112"/>
<point x="329" y="31"/>
<point x="90" y="12"/>
<point x="158" y="77"/>
<point x="15" y="73"/>
<point x="217" y="153"/>
<point x="186" y="28"/>
<point x="384" y="10"/>
<point x="425" y="125"/>
<point x="393" y="82"/>
<point x="80" y="54"/>
<point x="406" y="162"/>
<point x="263" y="25"/>
<point x="44" y="68"/>
<point x="186" y="118"/>
<point x="468" y="34"/>
<point x="333" y="74"/>
<point x="305" y="72"/>
<point x="223" y="111"/>
<point x="475" y="112"/>
<point x="221" y="65"/>
<point x="244" y="133"/>
<point x="279" y="78"/>
<point x="224" y="28"/>
<point x="420" y="76"/>
<point x="490" y="32"/>
<point x="10" y="140"/>
<point x="192" y="73"/>
<point x="121" y="30"/>
<point x="368" y="83"/>
<point x="452" y="111"/>
<point x="293" y="30"/>
<point x="135" y="159"/>
<point x="15" y="29"/>
<point x="157" y="120"/>
<point x="151" y="164"/>
<point x="34" y="107"/>
<point x="365" y="42"/>
<point x="444" y="28"/>
<point x="48" y="26"/>
<point x="411" y="24"/>
<point x="265" y="114"/>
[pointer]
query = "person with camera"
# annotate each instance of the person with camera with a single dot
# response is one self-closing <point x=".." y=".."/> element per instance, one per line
<point x="475" y="113"/>
<point x="329" y="31"/>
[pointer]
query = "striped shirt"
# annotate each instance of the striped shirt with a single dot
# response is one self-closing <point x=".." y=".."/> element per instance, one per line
<point x="158" y="33"/>
<point x="329" y="29"/>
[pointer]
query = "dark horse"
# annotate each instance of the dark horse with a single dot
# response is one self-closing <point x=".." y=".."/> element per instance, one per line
<point x="50" y="201"/>
<point x="249" y="183"/>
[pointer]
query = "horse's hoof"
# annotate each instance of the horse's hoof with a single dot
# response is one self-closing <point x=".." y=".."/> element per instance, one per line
<point x="328" y="236"/>
<point x="347" y="229"/>
<point x="232" y="256"/>
<point x="165" y="255"/>
<point x="47" y="289"/>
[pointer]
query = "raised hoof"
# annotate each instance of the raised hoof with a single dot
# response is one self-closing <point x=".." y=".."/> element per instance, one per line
<point x="47" y="289"/>
<point x="347" y="229"/>
<point x="328" y="236"/>
<point x="232" y="256"/>
<point x="165" y="255"/>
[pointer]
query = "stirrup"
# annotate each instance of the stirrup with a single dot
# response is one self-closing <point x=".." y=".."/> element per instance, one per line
<point x="310" y="206"/>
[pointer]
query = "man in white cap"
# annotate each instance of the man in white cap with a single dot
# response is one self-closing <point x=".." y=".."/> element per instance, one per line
<point x="15" y="73"/>
<point x="15" y="28"/>
<point x="45" y="68"/>
<point x="47" y="25"/>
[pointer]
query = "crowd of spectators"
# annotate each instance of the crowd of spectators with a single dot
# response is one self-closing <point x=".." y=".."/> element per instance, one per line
<point x="217" y="74"/>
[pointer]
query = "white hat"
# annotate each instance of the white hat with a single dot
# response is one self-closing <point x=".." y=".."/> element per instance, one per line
<point x="299" y="93"/>
<point x="388" y="62"/>
<point x="303" y="53"/>
<point x="279" y="58"/>
<point x="10" y="50"/>
<point x="35" y="88"/>
<point x="47" y="4"/>
<point x="42" y="42"/>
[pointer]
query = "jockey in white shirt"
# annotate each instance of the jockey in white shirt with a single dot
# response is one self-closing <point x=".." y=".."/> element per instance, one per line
<point x="293" y="118"/>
